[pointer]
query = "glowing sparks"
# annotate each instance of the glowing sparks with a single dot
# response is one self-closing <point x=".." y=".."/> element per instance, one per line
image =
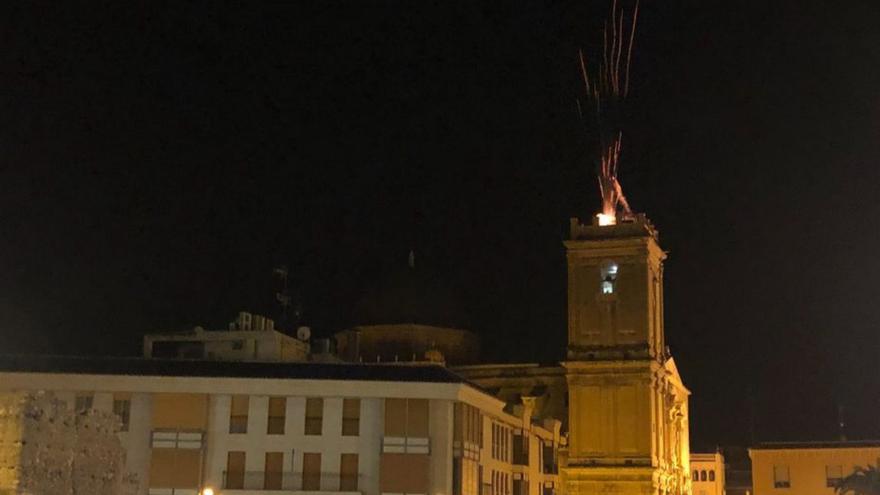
<point x="607" y="91"/>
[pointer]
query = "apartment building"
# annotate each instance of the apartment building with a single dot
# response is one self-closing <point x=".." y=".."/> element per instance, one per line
<point x="808" y="468"/>
<point x="191" y="427"/>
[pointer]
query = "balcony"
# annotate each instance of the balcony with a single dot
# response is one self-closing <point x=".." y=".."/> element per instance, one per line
<point x="176" y="439"/>
<point x="290" y="482"/>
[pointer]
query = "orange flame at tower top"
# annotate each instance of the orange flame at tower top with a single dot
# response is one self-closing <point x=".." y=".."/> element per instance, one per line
<point x="609" y="186"/>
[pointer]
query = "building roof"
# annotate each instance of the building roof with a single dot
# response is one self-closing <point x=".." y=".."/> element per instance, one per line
<point x="226" y="369"/>
<point x="822" y="444"/>
<point x="411" y="294"/>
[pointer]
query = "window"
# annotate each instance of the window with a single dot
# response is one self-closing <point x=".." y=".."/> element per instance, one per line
<point x="238" y="414"/>
<point x="457" y="488"/>
<point x="468" y="429"/>
<point x="520" y="487"/>
<point x="833" y="475"/>
<point x="235" y="470"/>
<point x="696" y="476"/>
<point x="314" y="416"/>
<point x="272" y="474"/>
<point x="406" y="426"/>
<point x="83" y="402"/>
<point x="500" y="442"/>
<point x="712" y="475"/>
<point x="703" y="475"/>
<point x="122" y="410"/>
<point x="348" y="473"/>
<point x="608" y="272"/>
<point x="548" y="454"/>
<point x="311" y="472"/>
<point x="277" y="408"/>
<point x="780" y="477"/>
<point x="521" y="448"/>
<point x="351" y="417"/>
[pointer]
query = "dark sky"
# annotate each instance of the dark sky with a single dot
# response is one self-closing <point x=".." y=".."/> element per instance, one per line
<point x="155" y="164"/>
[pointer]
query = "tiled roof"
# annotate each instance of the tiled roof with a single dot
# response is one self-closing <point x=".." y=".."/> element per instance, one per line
<point x="227" y="369"/>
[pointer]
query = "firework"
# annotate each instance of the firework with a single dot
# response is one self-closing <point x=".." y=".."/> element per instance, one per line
<point x="606" y="92"/>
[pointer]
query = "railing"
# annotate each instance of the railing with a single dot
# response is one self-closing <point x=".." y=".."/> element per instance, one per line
<point x="289" y="480"/>
<point x="406" y="445"/>
<point x="176" y="439"/>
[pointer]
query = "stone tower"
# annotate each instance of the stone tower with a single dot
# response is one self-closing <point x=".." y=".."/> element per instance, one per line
<point x="628" y="409"/>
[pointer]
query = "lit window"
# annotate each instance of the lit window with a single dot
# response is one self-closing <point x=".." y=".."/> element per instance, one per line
<point x="712" y="475"/>
<point x="608" y="272"/>
<point x="703" y="475"/>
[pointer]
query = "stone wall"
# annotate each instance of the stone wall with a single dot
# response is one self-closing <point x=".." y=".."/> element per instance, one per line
<point x="47" y="448"/>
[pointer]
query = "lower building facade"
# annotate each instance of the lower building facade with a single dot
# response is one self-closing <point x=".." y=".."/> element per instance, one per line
<point x="194" y="427"/>
<point x="808" y="468"/>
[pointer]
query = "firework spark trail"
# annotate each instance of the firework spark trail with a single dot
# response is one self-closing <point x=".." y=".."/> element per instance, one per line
<point x="607" y="90"/>
<point x="629" y="51"/>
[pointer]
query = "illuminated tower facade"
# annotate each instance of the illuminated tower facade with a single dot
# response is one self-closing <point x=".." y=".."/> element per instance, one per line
<point x="628" y="408"/>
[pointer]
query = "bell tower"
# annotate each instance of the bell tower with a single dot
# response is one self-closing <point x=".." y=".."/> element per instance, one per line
<point x="628" y="429"/>
<point x="615" y="291"/>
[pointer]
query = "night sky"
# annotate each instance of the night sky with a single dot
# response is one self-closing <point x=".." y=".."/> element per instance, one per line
<point x="157" y="163"/>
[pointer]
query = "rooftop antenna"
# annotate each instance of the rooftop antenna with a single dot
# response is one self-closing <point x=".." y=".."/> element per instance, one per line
<point x="750" y="395"/>
<point x="283" y="296"/>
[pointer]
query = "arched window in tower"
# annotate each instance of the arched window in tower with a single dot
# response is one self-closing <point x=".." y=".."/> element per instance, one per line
<point x="608" y="272"/>
<point x="712" y="475"/>
<point x="703" y="475"/>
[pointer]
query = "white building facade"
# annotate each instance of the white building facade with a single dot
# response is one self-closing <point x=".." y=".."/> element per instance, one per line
<point x="296" y="428"/>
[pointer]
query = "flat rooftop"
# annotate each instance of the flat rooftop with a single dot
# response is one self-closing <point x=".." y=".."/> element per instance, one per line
<point x="427" y="373"/>
<point x="821" y="444"/>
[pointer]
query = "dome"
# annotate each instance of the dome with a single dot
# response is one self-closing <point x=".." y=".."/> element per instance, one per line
<point x="411" y="296"/>
<point x="410" y="316"/>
